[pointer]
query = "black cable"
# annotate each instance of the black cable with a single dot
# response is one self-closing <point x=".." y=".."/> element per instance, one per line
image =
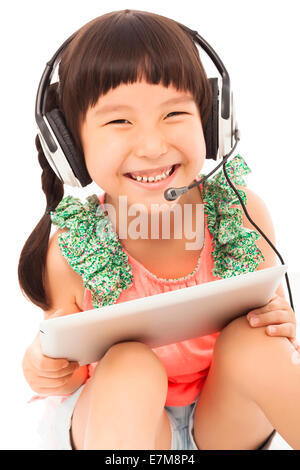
<point x="173" y="193"/>
<point x="225" y="158"/>
<point x="260" y="231"/>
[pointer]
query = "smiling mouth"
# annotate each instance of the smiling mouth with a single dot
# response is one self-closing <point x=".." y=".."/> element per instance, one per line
<point x="152" y="179"/>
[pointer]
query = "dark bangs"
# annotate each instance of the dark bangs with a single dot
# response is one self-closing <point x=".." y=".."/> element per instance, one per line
<point x="123" y="47"/>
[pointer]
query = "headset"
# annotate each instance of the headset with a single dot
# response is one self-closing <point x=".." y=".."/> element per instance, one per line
<point x="221" y="133"/>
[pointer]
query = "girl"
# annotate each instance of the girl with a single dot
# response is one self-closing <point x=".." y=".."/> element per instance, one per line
<point x="136" y="99"/>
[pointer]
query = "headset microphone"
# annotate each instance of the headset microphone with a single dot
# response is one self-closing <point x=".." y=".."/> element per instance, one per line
<point x="171" y="194"/>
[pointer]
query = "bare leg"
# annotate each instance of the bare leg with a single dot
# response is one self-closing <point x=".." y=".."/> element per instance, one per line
<point x="252" y="387"/>
<point x="122" y="406"/>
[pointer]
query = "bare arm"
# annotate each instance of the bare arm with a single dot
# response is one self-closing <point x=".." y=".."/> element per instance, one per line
<point x="260" y="214"/>
<point x="47" y="375"/>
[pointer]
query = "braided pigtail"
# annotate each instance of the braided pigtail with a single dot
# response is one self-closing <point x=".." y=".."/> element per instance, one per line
<point x="32" y="259"/>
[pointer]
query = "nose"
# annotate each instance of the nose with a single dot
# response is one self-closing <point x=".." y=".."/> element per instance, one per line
<point x="150" y="143"/>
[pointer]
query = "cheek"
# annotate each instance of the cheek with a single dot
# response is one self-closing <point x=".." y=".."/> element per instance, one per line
<point x="104" y="169"/>
<point x="94" y="164"/>
<point x="92" y="161"/>
<point x="195" y="148"/>
<point x="191" y="137"/>
<point x="200" y="149"/>
<point x="99" y="155"/>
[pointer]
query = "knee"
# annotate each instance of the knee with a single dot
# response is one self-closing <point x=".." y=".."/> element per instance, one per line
<point x="243" y="352"/>
<point x="134" y="357"/>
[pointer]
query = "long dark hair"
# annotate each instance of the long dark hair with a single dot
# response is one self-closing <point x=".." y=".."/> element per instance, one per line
<point x="119" y="47"/>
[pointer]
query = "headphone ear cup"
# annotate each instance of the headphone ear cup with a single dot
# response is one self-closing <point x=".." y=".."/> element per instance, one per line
<point x="211" y="131"/>
<point x="76" y="161"/>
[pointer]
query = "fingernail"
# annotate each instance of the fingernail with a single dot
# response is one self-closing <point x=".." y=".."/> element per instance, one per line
<point x="271" y="329"/>
<point x="65" y="364"/>
<point x="254" y="321"/>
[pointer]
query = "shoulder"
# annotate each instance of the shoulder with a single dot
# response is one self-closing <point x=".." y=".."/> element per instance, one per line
<point x="261" y="216"/>
<point x="64" y="287"/>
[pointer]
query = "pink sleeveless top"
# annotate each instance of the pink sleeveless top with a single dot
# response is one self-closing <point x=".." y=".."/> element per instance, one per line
<point x="187" y="363"/>
<point x="229" y="250"/>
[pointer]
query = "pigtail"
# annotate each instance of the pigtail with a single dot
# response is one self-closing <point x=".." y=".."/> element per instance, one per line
<point x="31" y="267"/>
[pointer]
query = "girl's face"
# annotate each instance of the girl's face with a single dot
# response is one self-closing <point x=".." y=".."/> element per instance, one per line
<point x="144" y="131"/>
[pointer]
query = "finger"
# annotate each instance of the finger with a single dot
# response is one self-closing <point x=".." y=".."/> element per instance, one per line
<point x="42" y="362"/>
<point x="59" y="373"/>
<point x="260" y="310"/>
<point x="275" y="303"/>
<point x="48" y="364"/>
<point x="287" y="330"/>
<point x="274" y="317"/>
<point x="44" y="382"/>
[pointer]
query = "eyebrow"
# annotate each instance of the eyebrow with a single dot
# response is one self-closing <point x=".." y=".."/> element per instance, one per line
<point x="118" y="107"/>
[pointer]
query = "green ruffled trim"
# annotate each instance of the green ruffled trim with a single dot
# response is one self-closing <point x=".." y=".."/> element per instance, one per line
<point x="92" y="248"/>
<point x="235" y="251"/>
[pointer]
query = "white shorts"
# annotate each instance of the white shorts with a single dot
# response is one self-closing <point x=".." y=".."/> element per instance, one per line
<point x="54" y="427"/>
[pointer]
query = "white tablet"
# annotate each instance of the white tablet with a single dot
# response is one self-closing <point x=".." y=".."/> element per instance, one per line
<point x="159" y="319"/>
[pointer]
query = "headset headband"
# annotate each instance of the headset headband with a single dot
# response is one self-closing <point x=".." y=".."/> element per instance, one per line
<point x="41" y="97"/>
<point x="60" y="150"/>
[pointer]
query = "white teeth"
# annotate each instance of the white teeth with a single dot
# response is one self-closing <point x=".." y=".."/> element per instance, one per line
<point x="150" y="179"/>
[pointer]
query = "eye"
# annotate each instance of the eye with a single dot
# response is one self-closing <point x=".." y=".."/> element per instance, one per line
<point x="177" y="112"/>
<point x="118" y="121"/>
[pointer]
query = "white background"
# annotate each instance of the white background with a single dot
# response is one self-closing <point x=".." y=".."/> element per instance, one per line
<point x="259" y="44"/>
